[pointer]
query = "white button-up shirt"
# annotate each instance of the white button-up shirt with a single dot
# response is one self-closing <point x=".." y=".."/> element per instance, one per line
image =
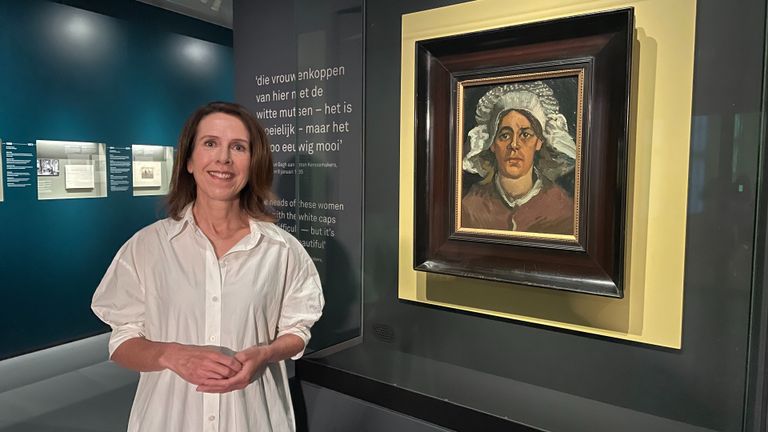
<point x="167" y="285"/>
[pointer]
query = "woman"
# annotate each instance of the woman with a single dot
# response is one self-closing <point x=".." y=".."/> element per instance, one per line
<point x="520" y="147"/>
<point x="208" y="303"/>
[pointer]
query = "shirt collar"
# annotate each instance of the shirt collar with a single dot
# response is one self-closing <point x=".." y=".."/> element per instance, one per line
<point x="175" y="227"/>
<point x="517" y="202"/>
<point x="267" y="229"/>
<point x="258" y="228"/>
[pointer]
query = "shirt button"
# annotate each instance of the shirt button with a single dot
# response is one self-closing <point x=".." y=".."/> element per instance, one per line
<point x="215" y="299"/>
<point x="212" y="418"/>
<point x="212" y="338"/>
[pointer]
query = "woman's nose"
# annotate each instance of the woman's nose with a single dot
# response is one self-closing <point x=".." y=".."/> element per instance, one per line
<point x="224" y="155"/>
<point x="514" y="143"/>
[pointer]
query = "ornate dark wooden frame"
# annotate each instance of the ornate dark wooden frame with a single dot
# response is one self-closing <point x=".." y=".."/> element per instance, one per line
<point x="601" y="43"/>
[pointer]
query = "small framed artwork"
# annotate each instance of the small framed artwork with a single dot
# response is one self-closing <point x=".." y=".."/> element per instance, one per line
<point x="47" y="167"/>
<point x="147" y="174"/>
<point x="521" y="137"/>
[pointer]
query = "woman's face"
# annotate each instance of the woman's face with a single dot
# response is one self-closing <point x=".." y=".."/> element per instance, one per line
<point x="221" y="157"/>
<point x="515" y="145"/>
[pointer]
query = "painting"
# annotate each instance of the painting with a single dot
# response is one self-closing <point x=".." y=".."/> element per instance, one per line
<point x="519" y="142"/>
<point x="521" y="153"/>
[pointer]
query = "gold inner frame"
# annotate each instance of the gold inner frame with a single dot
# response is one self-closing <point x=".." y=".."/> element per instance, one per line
<point x="459" y="183"/>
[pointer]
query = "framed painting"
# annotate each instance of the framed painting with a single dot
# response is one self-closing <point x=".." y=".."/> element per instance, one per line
<point x="521" y="137"/>
<point x="147" y="174"/>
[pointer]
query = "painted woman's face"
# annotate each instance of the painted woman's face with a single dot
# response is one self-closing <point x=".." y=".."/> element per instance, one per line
<point x="515" y="146"/>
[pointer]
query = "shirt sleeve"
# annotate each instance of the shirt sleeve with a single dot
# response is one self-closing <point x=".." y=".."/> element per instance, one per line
<point x="302" y="304"/>
<point x="119" y="298"/>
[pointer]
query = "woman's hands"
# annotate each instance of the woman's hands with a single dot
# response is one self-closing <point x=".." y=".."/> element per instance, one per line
<point x="253" y="360"/>
<point x="196" y="364"/>
<point x="207" y="367"/>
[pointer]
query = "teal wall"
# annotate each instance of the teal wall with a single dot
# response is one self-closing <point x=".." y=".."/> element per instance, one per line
<point x="132" y="76"/>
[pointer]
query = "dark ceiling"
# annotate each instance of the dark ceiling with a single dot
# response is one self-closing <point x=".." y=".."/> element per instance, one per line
<point x="214" y="11"/>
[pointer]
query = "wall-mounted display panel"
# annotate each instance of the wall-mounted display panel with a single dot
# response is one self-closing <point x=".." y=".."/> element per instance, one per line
<point x="152" y="169"/>
<point x="71" y="169"/>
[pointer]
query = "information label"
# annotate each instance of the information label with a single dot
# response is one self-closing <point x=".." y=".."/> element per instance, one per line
<point x="310" y="129"/>
<point x="20" y="165"/>
<point x="119" y="168"/>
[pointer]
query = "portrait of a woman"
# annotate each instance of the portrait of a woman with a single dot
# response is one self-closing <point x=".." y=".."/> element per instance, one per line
<point x="523" y="156"/>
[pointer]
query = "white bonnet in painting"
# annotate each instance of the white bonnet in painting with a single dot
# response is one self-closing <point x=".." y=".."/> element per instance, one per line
<point x="536" y="98"/>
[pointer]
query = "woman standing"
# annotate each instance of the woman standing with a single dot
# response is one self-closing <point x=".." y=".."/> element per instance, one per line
<point x="208" y="303"/>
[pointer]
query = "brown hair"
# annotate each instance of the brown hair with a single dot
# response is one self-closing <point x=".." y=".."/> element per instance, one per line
<point x="257" y="190"/>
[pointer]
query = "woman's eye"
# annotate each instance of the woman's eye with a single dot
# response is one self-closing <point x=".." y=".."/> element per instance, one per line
<point x="525" y="134"/>
<point x="239" y="147"/>
<point x="504" y="136"/>
<point x="209" y="143"/>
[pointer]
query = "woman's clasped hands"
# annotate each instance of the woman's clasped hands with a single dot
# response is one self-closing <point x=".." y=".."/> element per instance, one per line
<point x="213" y="371"/>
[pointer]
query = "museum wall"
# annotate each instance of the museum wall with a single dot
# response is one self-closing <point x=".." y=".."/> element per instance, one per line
<point x="115" y="73"/>
<point x="550" y="378"/>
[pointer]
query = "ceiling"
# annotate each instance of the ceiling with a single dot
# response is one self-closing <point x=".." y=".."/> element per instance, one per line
<point x="214" y="11"/>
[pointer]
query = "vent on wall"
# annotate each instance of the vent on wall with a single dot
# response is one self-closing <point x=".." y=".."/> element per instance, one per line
<point x="213" y="11"/>
<point x="384" y="332"/>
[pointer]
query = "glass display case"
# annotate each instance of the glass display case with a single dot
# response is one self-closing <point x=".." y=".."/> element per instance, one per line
<point x="309" y="99"/>
<point x="684" y="350"/>
<point x="152" y="167"/>
<point x="70" y="170"/>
